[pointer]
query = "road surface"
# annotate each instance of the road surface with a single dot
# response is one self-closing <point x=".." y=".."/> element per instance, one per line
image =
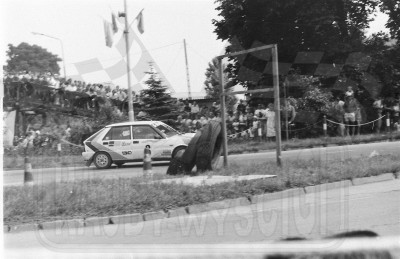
<point x="366" y="207"/>
<point x="135" y="170"/>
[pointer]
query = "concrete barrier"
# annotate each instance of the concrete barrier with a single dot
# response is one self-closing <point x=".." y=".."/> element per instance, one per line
<point x="328" y="186"/>
<point x="373" y="179"/>
<point x="277" y="195"/>
<point x="126" y="219"/>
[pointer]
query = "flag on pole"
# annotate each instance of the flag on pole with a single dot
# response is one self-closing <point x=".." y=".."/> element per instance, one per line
<point x="114" y="23"/>
<point x="107" y="33"/>
<point x="140" y="25"/>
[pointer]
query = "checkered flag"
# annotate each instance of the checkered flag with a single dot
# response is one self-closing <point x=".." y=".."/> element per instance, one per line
<point x="253" y="65"/>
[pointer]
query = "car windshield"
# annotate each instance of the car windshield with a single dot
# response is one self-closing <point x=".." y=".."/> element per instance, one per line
<point x="167" y="130"/>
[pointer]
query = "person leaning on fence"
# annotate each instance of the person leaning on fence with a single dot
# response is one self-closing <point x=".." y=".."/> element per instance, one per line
<point x="350" y="108"/>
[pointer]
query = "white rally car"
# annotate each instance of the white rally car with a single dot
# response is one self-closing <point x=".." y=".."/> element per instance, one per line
<point x="125" y="142"/>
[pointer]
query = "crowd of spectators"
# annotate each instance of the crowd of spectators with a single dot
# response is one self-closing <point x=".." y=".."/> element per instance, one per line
<point x="65" y="93"/>
<point x="243" y="121"/>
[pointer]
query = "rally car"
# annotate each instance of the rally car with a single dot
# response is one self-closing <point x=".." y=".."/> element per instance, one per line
<point x="125" y="142"/>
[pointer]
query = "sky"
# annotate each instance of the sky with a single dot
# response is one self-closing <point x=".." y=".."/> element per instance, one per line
<point x="79" y="26"/>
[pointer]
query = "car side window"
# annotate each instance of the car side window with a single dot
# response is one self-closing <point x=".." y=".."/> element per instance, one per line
<point x="145" y="132"/>
<point x="118" y="133"/>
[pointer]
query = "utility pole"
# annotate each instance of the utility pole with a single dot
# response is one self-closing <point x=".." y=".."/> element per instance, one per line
<point x="187" y="71"/>
<point x="128" y="66"/>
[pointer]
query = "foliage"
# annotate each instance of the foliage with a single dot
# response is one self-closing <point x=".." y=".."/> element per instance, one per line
<point x="212" y="83"/>
<point x="157" y="101"/>
<point x="333" y="27"/>
<point x="315" y="99"/>
<point x="32" y="58"/>
<point x="392" y="9"/>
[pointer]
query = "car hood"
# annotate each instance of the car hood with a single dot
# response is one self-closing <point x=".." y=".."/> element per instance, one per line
<point x="186" y="137"/>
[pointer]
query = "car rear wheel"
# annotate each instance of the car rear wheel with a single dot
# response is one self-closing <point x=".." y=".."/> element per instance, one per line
<point x="102" y="160"/>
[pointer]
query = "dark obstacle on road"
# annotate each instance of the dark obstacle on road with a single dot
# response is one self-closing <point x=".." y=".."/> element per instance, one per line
<point x="204" y="151"/>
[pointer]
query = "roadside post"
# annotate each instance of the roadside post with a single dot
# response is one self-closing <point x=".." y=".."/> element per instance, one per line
<point x="388" y="128"/>
<point x="147" y="168"/>
<point x="28" y="177"/>
<point x="59" y="152"/>
<point x="275" y="89"/>
<point x="325" y="128"/>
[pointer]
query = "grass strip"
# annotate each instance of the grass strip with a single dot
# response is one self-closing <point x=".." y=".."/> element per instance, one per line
<point x="108" y="197"/>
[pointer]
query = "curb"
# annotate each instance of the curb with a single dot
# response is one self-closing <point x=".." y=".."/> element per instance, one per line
<point x="277" y="195"/>
<point x="373" y="179"/>
<point x="178" y="212"/>
<point x="154" y="215"/>
<point x="327" y="186"/>
<point x="218" y="205"/>
<point x="198" y="208"/>
<point x="97" y="221"/>
<point x="127" y="218"/>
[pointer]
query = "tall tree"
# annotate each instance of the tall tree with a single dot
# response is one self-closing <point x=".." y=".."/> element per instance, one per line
<point x="334" y="27"/>
<point x="157" y="101"/>
<point x="32" y="58"/>
<point x="212" y="83"/>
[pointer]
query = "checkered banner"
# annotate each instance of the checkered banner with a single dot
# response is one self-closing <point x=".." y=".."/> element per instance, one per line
<point x="254" y="64"/>
<point x="117" y="70"/>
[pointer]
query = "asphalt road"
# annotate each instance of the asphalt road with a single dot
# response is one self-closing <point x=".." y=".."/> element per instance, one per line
<point x="135" y="170"/>
<point x="366" y="207"/>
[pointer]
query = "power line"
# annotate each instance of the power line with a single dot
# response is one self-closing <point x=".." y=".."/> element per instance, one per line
<point x="175" y="59"/>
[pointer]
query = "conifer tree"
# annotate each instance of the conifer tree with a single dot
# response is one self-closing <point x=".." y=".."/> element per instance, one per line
<point x="156" y="99"/>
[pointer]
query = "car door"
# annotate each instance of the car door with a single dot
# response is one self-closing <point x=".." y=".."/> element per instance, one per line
<point x="118" y="141"/>
<point x="144" y="135"/>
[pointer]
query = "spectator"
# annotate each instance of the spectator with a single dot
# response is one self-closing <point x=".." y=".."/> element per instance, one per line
<point x="194" y="110"/>
<point x="187" y="108"/>
<point x="270" y="125"/>
<point x="350" y="108"/>
<point x="338" y="114"/>
<point x="241" y="107"/>
<point x="378" y="106"/>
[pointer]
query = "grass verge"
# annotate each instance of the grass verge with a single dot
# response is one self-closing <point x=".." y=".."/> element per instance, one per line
<point x="97" y="197"/>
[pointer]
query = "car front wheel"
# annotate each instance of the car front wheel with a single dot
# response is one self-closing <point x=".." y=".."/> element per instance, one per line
<point x="178" y="152"/>
<point x="102" y="160"/>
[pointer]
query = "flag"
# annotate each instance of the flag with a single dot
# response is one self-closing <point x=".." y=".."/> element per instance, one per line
<point x="107" y="33"/>
<point x="114" y="23"/>
<point x="140" y="25"/>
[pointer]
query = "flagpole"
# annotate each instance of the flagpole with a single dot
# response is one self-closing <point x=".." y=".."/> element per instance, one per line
<point x="128" y="66"/>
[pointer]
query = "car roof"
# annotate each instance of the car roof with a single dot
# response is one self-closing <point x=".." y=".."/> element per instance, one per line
<point x="128" y="123"/>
